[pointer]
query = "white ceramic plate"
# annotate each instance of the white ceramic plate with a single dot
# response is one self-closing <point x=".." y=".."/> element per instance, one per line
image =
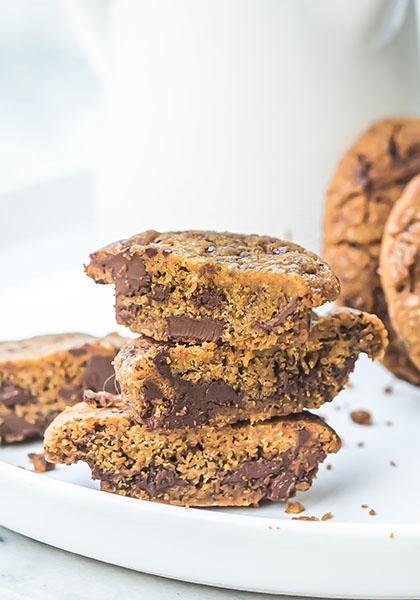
<point x="353" y="555"/>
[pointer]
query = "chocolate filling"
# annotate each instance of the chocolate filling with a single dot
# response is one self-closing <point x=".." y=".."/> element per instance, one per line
<point x="11" y="395"/>
<point x="16" y="429"/>
<point x="128" y="272"/>
<point x="72" y="393"/>
<point x="158" y="481"/>
<point x="276" y="480"/>
<point x="210" y="298"/>
<point x="78" y="351"/>
<point x="185" y="329"/>
<point x="280" y="317"/>
<point x="160" y="292"/>
<point x="99" y="375"/>
<point x="194" y="403"/>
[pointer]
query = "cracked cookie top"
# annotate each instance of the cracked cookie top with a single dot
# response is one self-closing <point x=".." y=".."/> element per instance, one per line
<point x="400" y="268"/>
<point x="264" y="256"/>
<point x="368" y="181"/>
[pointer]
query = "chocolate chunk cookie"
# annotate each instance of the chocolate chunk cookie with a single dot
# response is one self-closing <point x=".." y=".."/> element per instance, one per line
<point x="40" y="376"/>
<point x="174" y="385"/>
<point x="400" y="268"/>
<point x="368" y="181"/>
<point x="249" y="291"/>
<point x="234" y="465"/>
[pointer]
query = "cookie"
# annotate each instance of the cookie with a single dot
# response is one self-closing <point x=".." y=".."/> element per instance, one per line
<point x="368" y="181"/>
<point x="171" y="385"/>
<point x="248" y="291"/>
<point x="400" y="268"/>
<point x="40" y="376"/>
<point x="234" y="465"/>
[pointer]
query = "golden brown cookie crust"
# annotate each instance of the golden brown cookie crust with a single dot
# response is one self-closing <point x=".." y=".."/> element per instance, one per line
<point x="248" y="291"/>
<point x="368" y="181"/>
<point x="235" y="465"/>
<point x="400" y="268"/>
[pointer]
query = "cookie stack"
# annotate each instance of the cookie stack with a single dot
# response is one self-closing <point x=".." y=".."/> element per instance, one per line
<point x="230" y="354"/>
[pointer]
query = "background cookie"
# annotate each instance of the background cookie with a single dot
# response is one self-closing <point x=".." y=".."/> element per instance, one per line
<point x="368" y="181"/>
<point x="400" y="268"/>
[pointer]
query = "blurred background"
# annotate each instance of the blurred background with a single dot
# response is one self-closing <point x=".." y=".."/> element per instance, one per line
<point x="122" y="115"/>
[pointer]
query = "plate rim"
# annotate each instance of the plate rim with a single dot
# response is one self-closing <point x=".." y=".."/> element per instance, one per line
<point x="350" y="529"/>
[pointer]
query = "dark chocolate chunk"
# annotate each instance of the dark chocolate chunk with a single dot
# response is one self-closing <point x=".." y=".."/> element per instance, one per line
<point x="157" y="481"/>
<point x="99" y="375"/>
<point x="151" y="252"/>
<point x="281" y="487"/>
<point x="11" y="395"/>
<point x="193" y="403"/>
<point x="277" y="479"/>
<point x="160" y="292"/>
<point x="71" y="393"/>
<point x="273" y="478"/>
<point x="257" y="469"/>
<point x="78" y="351"/>
<point x="14" y="428"/>
<point x="128" y="271"/>
<point x="211" y="298"/>
<point x="186" y="329"/>
<point x="125" y="314"/>
<point x="280" y="317"/>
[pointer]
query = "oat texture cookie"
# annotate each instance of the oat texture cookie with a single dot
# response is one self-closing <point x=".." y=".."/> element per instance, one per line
<point x="234" y="465"/>
<point x="368" y="181"/>
<point x="40" y="376"/>
<point x="400" y="268"/>
<point x="248" y="291"/>
<point x="169" y="385"/>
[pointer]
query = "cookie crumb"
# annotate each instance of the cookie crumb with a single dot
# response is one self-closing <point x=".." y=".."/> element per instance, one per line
<point x="360" y="444"/>
<point x="388" y="389"/>
<point x="40" y="463"/>
<point x="327" y="516"/>
<point x="305" y="518"/>
<point x="329" y="467"/>
<point x="392" y="536"/>
<point x="293" y="508"/>
<point x="364" y="506"/>
<point x="361" y="417"/>
<point x="372" y="512"/>
<point x="392" y="463"/>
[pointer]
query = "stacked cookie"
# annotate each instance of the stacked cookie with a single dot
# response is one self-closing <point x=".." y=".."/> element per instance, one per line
<point x="42" y="375"/>
<point x="372" y="236"/>
<point x="213" y="393"/>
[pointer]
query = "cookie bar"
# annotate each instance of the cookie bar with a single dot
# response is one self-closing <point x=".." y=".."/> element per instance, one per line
<point x="42" y="375"/>
<point x="249" y="291"/>
<point x="235" y="465"/>
<point x="400" y="268"/>
<point x="174" y="385"/>
<point x="368" y="181"/>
